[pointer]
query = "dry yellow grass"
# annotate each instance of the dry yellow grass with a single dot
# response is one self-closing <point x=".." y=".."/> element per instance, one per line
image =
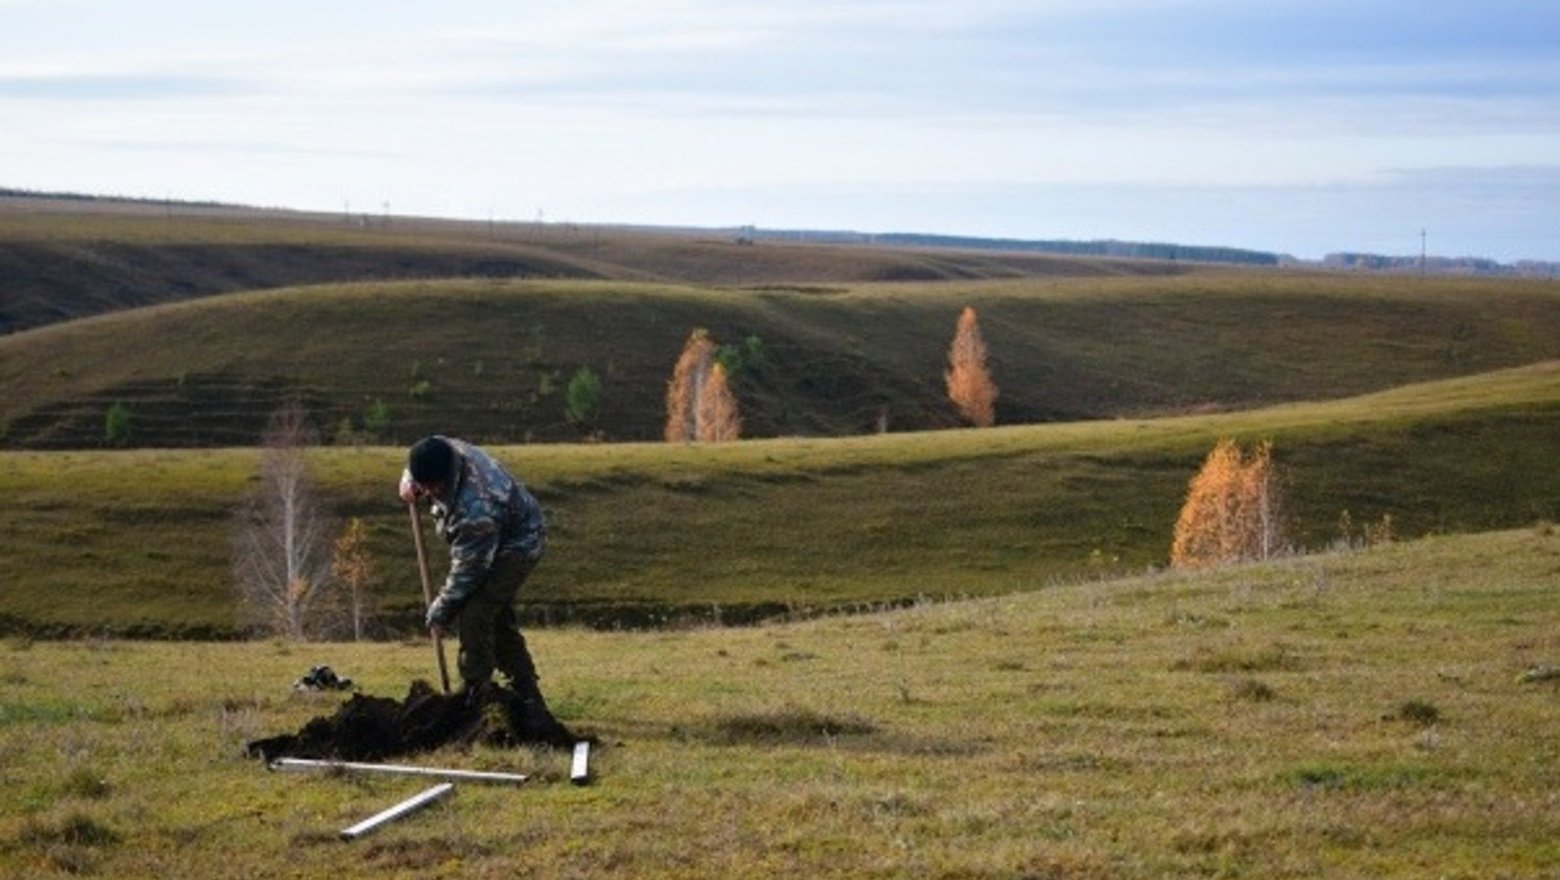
<point x="1357" y="715"/>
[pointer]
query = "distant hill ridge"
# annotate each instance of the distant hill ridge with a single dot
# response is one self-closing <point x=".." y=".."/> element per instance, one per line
<point x="64" y="257"/>
<point x="1114" y="248"/>
<point x="1096" y="248"/>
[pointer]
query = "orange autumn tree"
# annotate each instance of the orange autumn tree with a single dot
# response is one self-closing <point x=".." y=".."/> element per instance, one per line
<point x="1234" y="510"/>
<point x="699" y="402"/>
<point x="1203" y="531"/>
<point x="969" y="383"/>
<point x="682" y="392"/>
<point x="717" y="417"/>
<point x="352" y="564"/>
<point x="1266" y="515"/>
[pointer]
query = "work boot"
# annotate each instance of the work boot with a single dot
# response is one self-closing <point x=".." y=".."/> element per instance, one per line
<point x="474" y="693"/>
<point x="535" y="720"/>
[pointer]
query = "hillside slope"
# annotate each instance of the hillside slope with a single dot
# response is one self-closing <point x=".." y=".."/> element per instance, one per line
<point x="490" y="359"/>
<point x="61" y="260"/>
<point x="138" y="542"/>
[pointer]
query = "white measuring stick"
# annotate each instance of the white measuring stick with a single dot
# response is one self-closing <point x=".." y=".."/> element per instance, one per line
<point x="579" y="770"/>
<point x="303" y="764"/>
<point x="410" y="805"/>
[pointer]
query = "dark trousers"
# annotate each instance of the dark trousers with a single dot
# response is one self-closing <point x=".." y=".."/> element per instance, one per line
<point x="489" y="633"/>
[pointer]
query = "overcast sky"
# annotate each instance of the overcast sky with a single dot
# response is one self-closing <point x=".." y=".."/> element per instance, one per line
<point x="1302" y="127"/>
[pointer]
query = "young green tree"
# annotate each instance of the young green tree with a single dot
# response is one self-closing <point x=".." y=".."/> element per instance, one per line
<point x="376" y="419"/>
<point x="582" y="398"/>
<point x="116" y="424"/>
<point x="739" y="359"/>
<point x="970" y="386"/>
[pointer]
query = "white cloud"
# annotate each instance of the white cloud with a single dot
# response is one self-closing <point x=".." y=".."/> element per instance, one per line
<point x="599" y="103"/>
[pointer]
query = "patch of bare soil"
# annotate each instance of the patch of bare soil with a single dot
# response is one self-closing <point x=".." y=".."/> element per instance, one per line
<point x="373" y="728"/>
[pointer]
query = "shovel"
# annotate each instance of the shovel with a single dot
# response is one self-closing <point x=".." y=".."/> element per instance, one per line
<point x="422" y="569"/>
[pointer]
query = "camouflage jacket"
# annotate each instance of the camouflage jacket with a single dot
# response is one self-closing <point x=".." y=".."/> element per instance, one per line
<point x="484" y="514"/>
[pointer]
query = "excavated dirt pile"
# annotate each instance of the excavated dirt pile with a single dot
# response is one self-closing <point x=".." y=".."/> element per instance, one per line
<point x="374" y="728"/>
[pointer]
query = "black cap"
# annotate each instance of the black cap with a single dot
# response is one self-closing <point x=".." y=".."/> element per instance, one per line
<point x="431" y="460"/>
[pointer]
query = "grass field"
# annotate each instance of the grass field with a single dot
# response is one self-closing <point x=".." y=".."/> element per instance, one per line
<point x="490" y="359"/>
<point x="972" y="662"/>
<point x="1385" y="713"/>
<point x="137" y="542"/>
<point x="62" y="260"/>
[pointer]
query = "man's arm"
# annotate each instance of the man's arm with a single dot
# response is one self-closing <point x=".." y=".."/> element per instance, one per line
<point x="473" y="546"/>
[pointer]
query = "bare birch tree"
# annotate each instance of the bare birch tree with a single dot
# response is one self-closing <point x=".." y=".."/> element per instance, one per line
<point x="354" y="569"/>
<point x="282" y="547"/>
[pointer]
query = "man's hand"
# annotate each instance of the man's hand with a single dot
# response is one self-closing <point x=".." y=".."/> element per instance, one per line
<point x="439" y="617"/>
<point x="408" y="489"/>
<point x="438" y="630"/>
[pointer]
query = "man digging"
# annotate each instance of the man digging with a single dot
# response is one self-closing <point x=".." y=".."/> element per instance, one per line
<point x="496" y="534"/>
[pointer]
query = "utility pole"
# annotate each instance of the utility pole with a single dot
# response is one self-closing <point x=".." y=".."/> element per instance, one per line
<point x="1422" y="253"/>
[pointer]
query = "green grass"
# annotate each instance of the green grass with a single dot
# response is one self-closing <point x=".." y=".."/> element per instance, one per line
<point x="1068" y="732"/>
<point x="137" y="542"/>
<point x="1383" y="713"/>
<point x="490" y="359"/>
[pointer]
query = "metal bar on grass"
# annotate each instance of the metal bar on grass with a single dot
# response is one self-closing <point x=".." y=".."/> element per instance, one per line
<point x="579" y="770"/>
<point x="410" y="805"/>
<point x="305" y="764"/>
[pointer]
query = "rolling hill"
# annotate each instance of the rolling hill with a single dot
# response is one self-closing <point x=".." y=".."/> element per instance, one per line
<point x="1081" y="713"/>
<point x="489" y="359"/>
<point x="1433" y="401"/>
<point x="137" y="542"/>
<point x="62" y="259"/>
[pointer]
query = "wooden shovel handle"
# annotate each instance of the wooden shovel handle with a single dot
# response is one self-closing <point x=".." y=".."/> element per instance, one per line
<point x="427" y="588"/>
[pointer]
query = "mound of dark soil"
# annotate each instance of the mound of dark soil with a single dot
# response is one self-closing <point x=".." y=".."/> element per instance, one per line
<point x="373" y="728"/>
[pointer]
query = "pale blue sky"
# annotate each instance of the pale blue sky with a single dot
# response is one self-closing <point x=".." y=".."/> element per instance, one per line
<point x="1301" y="127"/>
